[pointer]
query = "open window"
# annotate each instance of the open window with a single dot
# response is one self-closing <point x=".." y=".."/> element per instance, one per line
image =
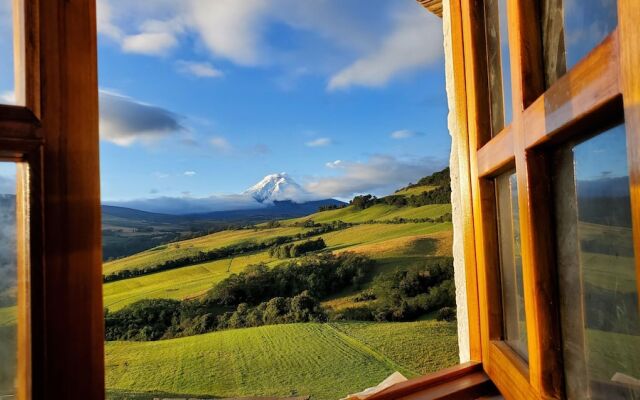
<point x="51" y="318"/>
<point x="551" y="94"/>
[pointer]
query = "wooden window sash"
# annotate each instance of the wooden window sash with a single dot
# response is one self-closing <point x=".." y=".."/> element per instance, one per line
<point x="53" y="138"/>
<point x="593" y="90"/>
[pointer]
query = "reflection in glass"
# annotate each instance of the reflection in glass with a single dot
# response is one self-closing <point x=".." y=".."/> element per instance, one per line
<point x="6" y="53"/>
<point x="571" y="29"/>
<point x="8" y="281"/>
<point x="599" y="297"/>
<point x="499" y="68"/>
<point x="515" y="324"/>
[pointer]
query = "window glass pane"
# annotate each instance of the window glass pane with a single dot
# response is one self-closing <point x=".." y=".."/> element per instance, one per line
<point x="571" y="29"/>
<point x="515" y="324"/>
<point x="599" y="297"/>
<point x="8" y="282"/>
<point x="497" y="34"/>
<point x="8" y="86"/>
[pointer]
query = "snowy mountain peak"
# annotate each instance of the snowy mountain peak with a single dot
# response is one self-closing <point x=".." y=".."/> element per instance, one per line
<point x="277" y="187"/>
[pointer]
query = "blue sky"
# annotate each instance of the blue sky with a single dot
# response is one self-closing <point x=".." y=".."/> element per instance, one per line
<point x="202" y="97"/>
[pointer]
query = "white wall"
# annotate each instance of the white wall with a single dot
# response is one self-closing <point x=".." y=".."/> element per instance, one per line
<point x="458" y="249"/>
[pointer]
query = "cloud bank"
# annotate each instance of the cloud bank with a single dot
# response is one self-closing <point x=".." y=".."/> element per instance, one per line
<point x="190" y="205"/>
<point x="413" y="43"/>
<point x="380" y="174"/>
<point x="238" y="31"/>
<point x="125" y="121"/>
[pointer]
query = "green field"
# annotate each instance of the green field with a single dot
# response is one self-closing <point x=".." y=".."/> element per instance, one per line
<point x="326" y="360"/>
<point x="192" y="281"/>
<point x="190" y="247"/>
<point x="415" y="190"/>
<point x="378" y="212"/>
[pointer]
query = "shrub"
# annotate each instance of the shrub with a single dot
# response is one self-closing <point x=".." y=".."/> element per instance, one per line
<point x="446" y="314"/>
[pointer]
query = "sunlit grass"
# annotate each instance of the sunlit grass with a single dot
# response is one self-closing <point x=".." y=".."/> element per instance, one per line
<point x="328" y="361"/>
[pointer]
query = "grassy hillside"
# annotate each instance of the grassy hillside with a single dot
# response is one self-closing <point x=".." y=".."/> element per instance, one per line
<point x="415" y="190"/>
<point x="378" y="212"/>
<point x="326" y="360"/>
<point x="194" y="280"/>
<point x="193" y="246"/>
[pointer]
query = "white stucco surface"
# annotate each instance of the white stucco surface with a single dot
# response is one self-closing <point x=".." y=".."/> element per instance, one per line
<point x="458" y="248"/>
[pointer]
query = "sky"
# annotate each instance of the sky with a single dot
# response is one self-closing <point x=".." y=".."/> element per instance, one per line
<point x="204" y="98"/>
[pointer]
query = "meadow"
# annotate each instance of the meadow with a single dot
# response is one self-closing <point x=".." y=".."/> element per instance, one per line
<point x="325" y="360"/>
<point x="192" y="281"/>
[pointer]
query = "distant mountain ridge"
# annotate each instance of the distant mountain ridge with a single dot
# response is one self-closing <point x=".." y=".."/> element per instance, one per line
<point x="278" y="210"/>
<point x="264" y="194"/>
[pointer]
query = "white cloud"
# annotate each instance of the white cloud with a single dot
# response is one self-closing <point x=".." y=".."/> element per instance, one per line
<point x="105" y="21"/>
<point x="379" y="174"/>
<point x="8" y="97"/>
<point x="320" y="142"/>
<point x="404" y="134"/>
<point x="149" y="43"/>
<point x="238" y="31"/>
<point x="415" y="42"/>
<point x="125" y="121"/>
<point x="198" y="69"/>
<point x="189" y="173"/>
<point x="221" y="144"/>
<point x="335" y="164"/>
<point x="230" y="28"/>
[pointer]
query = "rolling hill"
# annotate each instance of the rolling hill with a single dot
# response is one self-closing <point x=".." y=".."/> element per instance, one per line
<point x="326" y="360"/>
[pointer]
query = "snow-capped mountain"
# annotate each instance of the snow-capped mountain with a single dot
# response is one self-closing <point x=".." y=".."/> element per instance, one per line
<point x="275" y="196"/>
<point x="277" y="187"/>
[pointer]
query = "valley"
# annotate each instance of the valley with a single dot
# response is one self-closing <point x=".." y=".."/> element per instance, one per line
<point x="357" y="346"/>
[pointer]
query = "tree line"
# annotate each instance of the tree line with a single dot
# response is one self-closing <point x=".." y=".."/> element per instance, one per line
<point x="407" y="294"/>
<point x="258" y="296"/>
<point x="439" y="195"/>
<point x="293" y="250"/>
<point x="223" y="252"/>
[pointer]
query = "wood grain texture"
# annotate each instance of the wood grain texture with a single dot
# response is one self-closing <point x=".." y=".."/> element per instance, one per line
<point x="545" y="370"/>
<point x="463" y="381"/>
<point x="590" y="85"/>
<point x="464" y="174"/>
<point x="496" y="154"/>
<point x="18" y="122"/>
<point x="73" y="332"/>
<point x="23" y="263"/>
<point x="434" y="6"/>
<point x="629" y="31"/>
<point x="482" y="194"/>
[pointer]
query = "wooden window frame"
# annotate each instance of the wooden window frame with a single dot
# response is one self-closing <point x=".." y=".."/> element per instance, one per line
<point x="53" y="138"/>
<point x="605" y="85"/>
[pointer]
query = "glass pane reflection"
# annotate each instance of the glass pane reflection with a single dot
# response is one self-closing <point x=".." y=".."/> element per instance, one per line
<point x="597" y="270"/>
<point x="571" y="29"/>
<point x="586" y="24"/>
<point x="8" y="282"/>
<point x="515" y="323"/>
<point x="7" y="85"/>
<point x="497" y="33"/>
